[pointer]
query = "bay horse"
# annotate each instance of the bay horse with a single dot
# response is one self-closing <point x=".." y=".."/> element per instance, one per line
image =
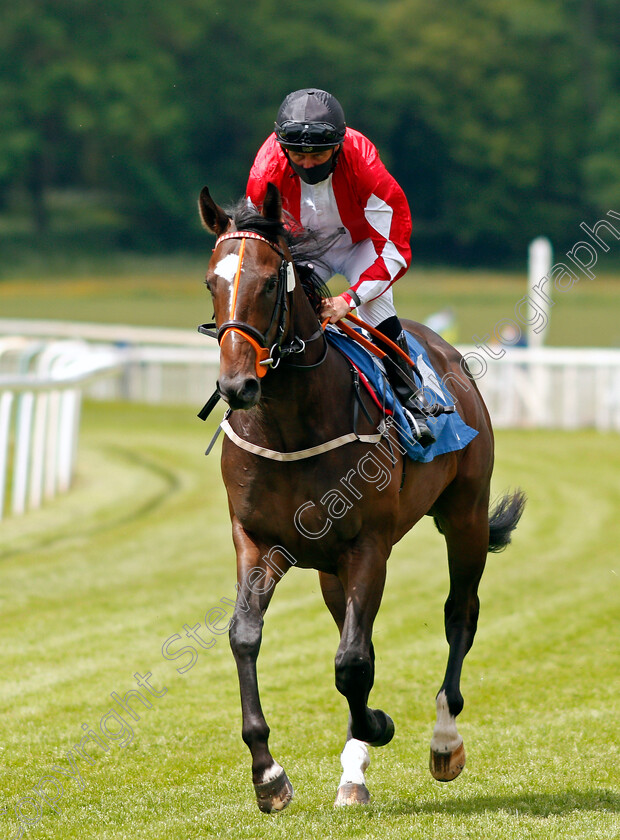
<point x="300" y="467"/>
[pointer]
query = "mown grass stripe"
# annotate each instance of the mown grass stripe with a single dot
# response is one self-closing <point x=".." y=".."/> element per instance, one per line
<point x="93" y="585"/>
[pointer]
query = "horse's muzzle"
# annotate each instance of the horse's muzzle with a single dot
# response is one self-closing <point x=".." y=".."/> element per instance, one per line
<point x="240" y="392"/>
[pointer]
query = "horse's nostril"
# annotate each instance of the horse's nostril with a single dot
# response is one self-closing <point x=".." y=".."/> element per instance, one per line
<point x="250" y="389"/>
<point x="240" y="394"/>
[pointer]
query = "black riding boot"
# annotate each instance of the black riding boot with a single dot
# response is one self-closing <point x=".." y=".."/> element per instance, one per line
<point x="406" y="393"/>
<point x="400" y="378"/>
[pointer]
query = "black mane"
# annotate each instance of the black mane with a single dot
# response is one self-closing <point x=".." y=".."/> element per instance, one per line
<point x="306" y="246"/>
<point x="245" y="216"/>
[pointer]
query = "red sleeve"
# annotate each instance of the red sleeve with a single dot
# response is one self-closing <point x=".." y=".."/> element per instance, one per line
<point x="258" y="178"/>
<point x="271" y="164"/>
<point x="382" y="210"/>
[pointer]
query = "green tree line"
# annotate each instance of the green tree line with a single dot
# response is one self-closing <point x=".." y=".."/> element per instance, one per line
<point x="500" y="118"/>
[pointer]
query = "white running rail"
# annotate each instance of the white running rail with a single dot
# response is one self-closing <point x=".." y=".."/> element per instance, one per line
<point x="40" y="402"/>
<point x="46" y="367"/>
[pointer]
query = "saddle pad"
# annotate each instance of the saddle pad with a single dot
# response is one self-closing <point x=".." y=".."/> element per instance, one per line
<point x="451" y="432"/>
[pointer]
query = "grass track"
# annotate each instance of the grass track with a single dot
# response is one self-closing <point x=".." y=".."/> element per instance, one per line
<point x="96" y="582"/>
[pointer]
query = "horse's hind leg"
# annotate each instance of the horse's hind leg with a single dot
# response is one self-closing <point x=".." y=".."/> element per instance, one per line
<point x="355" y="664"/>
<point x="467" y="538"/>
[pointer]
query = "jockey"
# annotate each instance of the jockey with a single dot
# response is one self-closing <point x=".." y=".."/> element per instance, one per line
<point x="332" y="181"/>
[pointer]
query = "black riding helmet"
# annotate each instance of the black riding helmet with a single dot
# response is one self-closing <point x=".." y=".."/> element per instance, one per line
<point x="310" y="120"/>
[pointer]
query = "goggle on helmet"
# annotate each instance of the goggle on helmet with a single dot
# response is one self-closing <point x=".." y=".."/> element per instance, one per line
<point x="310" y="120"/>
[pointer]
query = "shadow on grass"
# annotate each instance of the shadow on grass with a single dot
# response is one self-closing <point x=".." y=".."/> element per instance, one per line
<point x="532" y="804"/>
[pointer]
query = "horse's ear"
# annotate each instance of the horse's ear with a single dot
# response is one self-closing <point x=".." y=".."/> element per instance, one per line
<point x="214" y="219"/>
<point x="272" y="205"/>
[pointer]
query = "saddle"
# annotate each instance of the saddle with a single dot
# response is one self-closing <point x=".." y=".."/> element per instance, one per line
<point x="450" y="431"/>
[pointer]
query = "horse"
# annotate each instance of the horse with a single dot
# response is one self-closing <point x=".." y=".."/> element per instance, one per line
<point x="297" y="445"/>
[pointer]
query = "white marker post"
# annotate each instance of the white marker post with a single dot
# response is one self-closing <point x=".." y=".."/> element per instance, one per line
<point x="540" y="255"/>
<point x="539" y="265"/>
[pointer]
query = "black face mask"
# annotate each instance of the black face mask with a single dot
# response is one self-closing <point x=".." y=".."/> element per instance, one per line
<point x="315" y="174"/>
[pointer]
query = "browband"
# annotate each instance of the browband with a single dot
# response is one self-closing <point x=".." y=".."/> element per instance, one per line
<point x="247" y="234"/>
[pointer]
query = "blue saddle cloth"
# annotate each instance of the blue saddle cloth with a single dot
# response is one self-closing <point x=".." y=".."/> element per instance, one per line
<point x="450" y="431"/>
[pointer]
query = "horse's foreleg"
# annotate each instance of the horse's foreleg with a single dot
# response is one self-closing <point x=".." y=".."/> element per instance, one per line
<point x="255" y="589"/>
<point x="467" y="543"/>
<point x="362" y="579"/>
<point x="354" y="758"/>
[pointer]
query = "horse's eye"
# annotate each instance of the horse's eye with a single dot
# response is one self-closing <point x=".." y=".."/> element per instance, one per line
<point x="271" y="283"/>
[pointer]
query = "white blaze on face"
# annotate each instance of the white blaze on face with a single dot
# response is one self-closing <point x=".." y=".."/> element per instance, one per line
<point x="355" y="759"/>
<point x="445" y="735"/>
<point x="227" y="267"/>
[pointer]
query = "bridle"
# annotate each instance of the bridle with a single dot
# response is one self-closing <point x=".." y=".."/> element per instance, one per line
<point x="270" y="356"/>
<point x="267" y="355"/>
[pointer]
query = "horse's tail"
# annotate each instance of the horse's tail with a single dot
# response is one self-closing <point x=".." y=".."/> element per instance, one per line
<point x="504" y="519"/>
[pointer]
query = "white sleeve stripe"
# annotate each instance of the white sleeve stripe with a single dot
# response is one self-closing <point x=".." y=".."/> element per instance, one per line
<point x="393" y="259"/>
<point x="371" y="289"/>
<point x="379" y="214"/>
<point x="394" y="263"/>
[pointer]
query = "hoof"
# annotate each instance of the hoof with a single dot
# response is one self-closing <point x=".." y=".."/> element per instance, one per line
<point x="352" y="794"/>
<point x="388" y="729"/>
<point x="446" y="766"/>
<point x="274" y="795"/>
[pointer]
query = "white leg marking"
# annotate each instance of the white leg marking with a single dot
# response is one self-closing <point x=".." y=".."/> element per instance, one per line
<point x="355" y="759"/>
<point x="272" y="773"/>
<point x="445" y="736"/>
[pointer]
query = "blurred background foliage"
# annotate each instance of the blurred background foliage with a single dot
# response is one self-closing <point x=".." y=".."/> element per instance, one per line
<point x="500" y="118"/>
